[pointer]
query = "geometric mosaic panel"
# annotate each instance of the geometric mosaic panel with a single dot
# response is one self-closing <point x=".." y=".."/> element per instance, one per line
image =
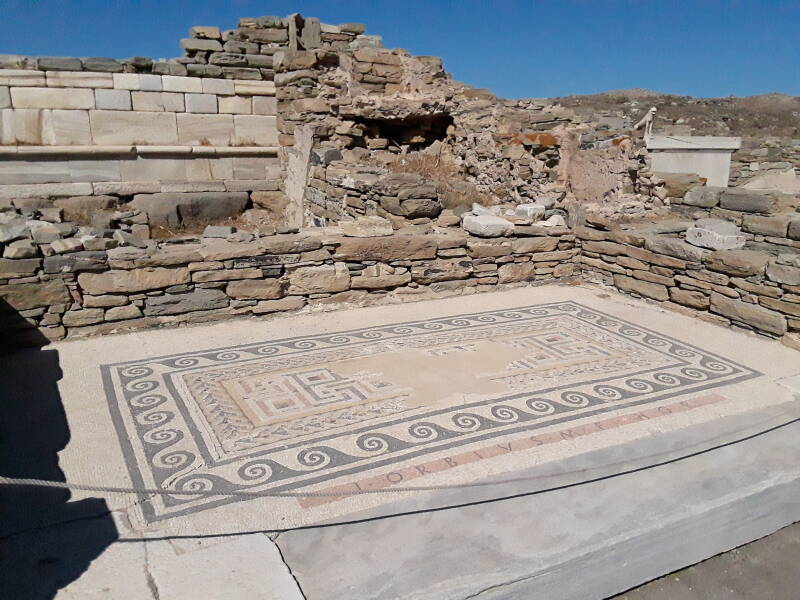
<point x="316" y="411"/>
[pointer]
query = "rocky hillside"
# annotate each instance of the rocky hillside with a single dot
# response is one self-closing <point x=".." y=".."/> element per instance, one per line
<point x="753" y="118"/>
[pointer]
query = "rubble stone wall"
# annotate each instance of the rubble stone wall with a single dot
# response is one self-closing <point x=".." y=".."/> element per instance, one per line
<point x="756" y="287"/>
<point x="88" y="293"/>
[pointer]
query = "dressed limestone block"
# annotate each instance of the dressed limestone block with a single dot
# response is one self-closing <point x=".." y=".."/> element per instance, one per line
<point x="114" y="128"/>
<point x="20" y="126"/>
<point x="79" y="79"/>
<point x="205" y="130"/>
<point x="715" y="234"/>
<point x="265" y="105"/>
<point x="112" y="99"/>
<point x="244" y="87"/>
<point x="5" y="97"/>
<point x="33" y="171"/>
<point x="22" y="78"/>
<point x="66" y="128"/>
<point x="238" y="105"/>
<point x="173" y="83"/>
<point x="153" y="169"/>
<point x="256" y="130"/>
<point x="126" y="81"/>
<point x="201" y="103"/>
<point x="149" y="82"/>
<point x="158" y="101"/>
<point x="221" y="87"/>
<point x="37" y="97"/>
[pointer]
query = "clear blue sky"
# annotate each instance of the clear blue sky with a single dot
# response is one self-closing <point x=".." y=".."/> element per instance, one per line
<point x="516" y="48"/>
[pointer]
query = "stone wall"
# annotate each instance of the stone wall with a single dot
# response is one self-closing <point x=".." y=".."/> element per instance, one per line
<point x="756" y="287"/>
<point x="217" y="278"/>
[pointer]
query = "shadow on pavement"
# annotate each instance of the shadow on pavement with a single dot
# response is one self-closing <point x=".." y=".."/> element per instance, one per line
<point x="46" y="541"/>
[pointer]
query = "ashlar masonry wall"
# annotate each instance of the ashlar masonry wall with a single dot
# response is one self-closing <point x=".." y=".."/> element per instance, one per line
<point x="68" y="133"/>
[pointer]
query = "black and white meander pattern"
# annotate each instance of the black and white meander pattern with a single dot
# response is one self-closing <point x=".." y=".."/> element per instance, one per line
<point x="176" y="435"/>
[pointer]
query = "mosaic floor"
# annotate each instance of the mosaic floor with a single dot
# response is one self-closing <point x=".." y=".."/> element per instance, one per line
<point x="382" y="406"/>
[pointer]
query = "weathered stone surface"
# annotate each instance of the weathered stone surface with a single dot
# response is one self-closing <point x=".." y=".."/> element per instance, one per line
<point x="288" y="303"/>
<point x="21" y="249"/>
<point x="395" y="247"/>
<point x="169" y="209"/>
<point x="14" y="229"/>
<point x="743" y="200"/>
<point x="741" y="263"/>
<point x="86" y="316"/>
<point x="76" y="262"/>
<point x="794" y="229"/>
<point x="384" y="277"/>
<point x="442" y="270"/>
<point x="704" y="197"/>
<point x="20" y="265"/>
<point x="315" y="280"/>
<point x="65" y="98"/>
<point x="750" y="314"/>
<point x="365" y="227"/>
<point x="120" y="128"/>
<point x="690" y="298"/>
<point x="647" y="289"/>
<point x="24" y="296"/>
<point x="118" y="313"/>
<point x="715" y="234"/>
<point x="226" y="275"/>
<point x="173" y="304"/>
<point x="776" y="226"/>
<point x="137" y="280"/>
<point x="513" y="272"/>
<point x="530" y="211"/>
<point x="106" y="301"/>
<point x="674" y="247"/>
<point x="485" y="248"/>
<point x="534" y="244"/>
<point x="173" y="254"/>
<point x="788" y="308"/>
<point x="67" y="245"/>
<point x="257" y="289"/>
<point x="677" y="184"/>
<point x="786" y="274"/>
<point x="487" y="225"/>
<point x="289" y="244"/>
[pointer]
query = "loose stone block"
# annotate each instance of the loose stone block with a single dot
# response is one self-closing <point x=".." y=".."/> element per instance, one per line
<point x="205" y="33"/>
<point x="137" y="280"/>
<point x="115" y="128"/>
<point x="715" y="234"/>
<point x="59" y="63"/>
<point x="256" y="289"/>
<point x="205" y="130"/>
<point x="705" y="197"/>
<point x="200" y="45"/>
<point x="750" y="314"/>
<point x="102" y="64"/>
<point x="643" y="288"/>
<point x="220" y="87"/>
<point x="236" y="105"/>
<point x="113" y="99"/>
<point x="534" y="244"/>
<point x="66" y="128"/>
<point x="255" y="130"/>
<point x="201" y="103"/>
<point x="158" y="101"/>
<point x="106" y="301"/>
<point x="741" y="263"/>
<point x="487" y="225"/>
<point x="314" y="280"/>
<point x="192" y="85"/>
<point x="36" y="97"/>
<point x="788" y="308"/>
<point x="20" y="265"/>
<point x="174" y="304"/>
<point x="79" y="79"/>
